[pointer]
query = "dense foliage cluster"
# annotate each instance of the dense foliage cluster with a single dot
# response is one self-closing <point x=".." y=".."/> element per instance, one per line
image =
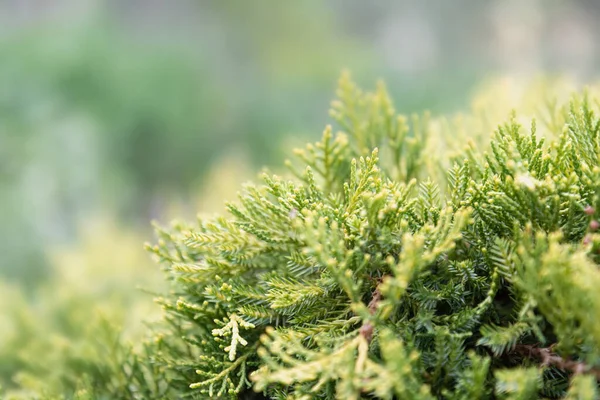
<point x="398" y="264"/>
<point x="401" y="258"/>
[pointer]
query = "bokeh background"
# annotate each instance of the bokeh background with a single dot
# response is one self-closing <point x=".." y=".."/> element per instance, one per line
<point x="114" y="113"/>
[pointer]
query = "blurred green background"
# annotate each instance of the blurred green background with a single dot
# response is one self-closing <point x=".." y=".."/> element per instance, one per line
<point x="116" y="112"/>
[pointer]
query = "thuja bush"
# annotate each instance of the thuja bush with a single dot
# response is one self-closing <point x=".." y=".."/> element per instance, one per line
<point x="408" y="258"/>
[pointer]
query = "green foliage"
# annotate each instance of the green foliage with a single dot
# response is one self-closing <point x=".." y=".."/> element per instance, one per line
<point x="388" y="270"/>
<point x="80" y="335"/>
<point x="391" y="263"/>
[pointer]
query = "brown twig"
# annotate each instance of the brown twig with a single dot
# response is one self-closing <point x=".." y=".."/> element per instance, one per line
<point x="367" y="329"/>
<point x="548" y="358"/>
<point x="376" y="298"/>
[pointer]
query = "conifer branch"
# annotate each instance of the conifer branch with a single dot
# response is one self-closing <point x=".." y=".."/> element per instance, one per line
<point x="489" y="253"/>
<point x="367" y="329"/>
<point x="548" y="358"/>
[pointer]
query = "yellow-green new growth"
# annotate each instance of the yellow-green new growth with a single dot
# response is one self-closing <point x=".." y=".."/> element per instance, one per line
<point x="232" y="328"/>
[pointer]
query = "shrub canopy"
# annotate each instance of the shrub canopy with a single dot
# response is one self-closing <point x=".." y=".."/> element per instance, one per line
<point x="401" y="258"/>
<point x="409" y="258"/>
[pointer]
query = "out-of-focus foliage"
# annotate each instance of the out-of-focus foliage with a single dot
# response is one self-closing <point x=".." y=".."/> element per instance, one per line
<point x="75" y="334"/>
<point x="154" y="114"/>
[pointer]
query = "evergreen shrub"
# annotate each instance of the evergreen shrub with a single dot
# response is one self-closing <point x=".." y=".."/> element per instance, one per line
<point x="408" y="258"/>
<point x="402" y="258"/>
